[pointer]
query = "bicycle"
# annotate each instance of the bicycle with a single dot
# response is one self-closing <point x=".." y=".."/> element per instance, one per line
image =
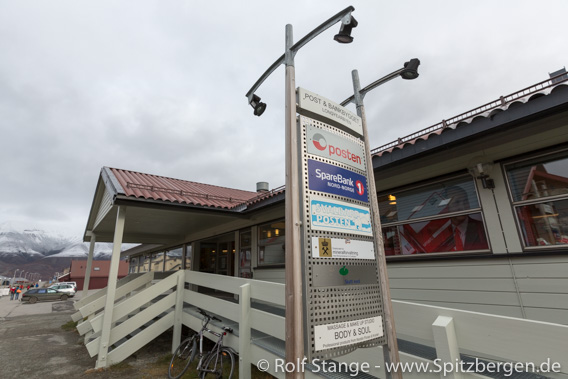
<point x="217" y="363"/>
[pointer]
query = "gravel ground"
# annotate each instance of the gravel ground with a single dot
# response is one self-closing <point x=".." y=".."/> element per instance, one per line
<point x="36" y="346"/>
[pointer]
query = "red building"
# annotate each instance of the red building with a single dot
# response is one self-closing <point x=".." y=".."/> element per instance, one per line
<point x="99" y="273"/>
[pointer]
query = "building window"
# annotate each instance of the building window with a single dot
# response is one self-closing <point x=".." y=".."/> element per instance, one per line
<point x="133" y="265"/>
<point x="245" y="254"/>
<point x="539" y="189"/>
<point x="144" y="265"/>
<point x="157" y="263"/>
<point x="440" y="217"/>
<point x="271" y="239"/>
<point x="173" y="258"/>
<point x="188" y="256"/>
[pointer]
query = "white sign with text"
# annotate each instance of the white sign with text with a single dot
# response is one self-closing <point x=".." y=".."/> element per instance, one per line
<point x="347" y="333"/>
<point x="311" y="104"/>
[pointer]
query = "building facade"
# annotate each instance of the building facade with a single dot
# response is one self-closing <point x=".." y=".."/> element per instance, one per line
<point x="77" y="272"/>
<point x="474" y="213"/>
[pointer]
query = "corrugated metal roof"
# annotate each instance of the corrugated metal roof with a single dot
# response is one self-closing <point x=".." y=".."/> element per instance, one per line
<point x="153" y="187"/>
<point x="266" y="195"/>
<point x="485" y="111"/>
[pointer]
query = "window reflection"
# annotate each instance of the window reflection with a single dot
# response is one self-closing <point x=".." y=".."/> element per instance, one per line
<point x="173" y="259"/>
<point x="271" y="238"/>
<point x="462" y="233"/>
<point x="543" y="221"/>
<point x="544" y="224"/>
<point x="450" y="219"/>
<point x="539" y="179"/>
<point x="426" y="201"/>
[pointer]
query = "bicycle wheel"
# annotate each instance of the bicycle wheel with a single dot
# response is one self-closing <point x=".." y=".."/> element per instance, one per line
<point x="184" y="354"/>
<point x="219" y="365"/>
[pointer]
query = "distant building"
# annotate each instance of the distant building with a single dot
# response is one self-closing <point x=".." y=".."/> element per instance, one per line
<point x="99" y="273"/>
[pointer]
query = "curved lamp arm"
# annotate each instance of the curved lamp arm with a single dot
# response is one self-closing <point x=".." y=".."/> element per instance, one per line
<point x="344" y="14"/>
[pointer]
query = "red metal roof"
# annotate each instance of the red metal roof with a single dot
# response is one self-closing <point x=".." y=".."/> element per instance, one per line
<point x="153" y="187"/>
<point x="266" y="195"/>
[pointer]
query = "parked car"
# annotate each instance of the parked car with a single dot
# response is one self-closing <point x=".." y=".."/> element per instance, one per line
<point x="74" y="284"/>
<point x="68" y="288"/>
<point x="41" y="294"/>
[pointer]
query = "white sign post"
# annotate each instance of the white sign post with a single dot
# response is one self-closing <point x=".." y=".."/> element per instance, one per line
<point x="313" y="105"/>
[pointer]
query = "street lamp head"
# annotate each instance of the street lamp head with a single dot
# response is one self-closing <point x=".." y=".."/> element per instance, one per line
<point x="410" y="69"/>
<point x="344" y="35"/>
<point x="258" y="106"/>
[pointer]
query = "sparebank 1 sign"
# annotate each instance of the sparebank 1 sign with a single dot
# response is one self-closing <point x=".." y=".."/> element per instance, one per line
<point x="313" y="105"/>
<point x="328" y="178"/>
<point x="337" y="216"/>
<point x="332" y="146"/>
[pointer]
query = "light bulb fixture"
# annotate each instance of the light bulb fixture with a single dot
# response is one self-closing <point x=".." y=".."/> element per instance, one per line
<point x="479" y="171"/>
<point x="410" y="69"/>
<point x="347" y="24"/>
<point x="258" y="106"/>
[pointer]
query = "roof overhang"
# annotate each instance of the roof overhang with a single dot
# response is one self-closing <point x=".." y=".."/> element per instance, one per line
<point x="536" y="124"/>
<point x="149" y="222"/>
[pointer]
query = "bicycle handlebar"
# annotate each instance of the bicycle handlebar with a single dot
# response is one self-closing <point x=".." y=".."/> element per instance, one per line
<point x="208" y="315"/>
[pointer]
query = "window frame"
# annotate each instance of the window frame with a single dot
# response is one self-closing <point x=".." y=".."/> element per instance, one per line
<point x="432" y="182"/>
<point x="549" y="154"/>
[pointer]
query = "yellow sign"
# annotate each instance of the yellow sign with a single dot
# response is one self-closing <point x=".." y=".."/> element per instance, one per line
<point x="325" y="247"/>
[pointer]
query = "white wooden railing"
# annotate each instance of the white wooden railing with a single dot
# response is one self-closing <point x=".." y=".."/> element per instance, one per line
<point x="450" y="332"/>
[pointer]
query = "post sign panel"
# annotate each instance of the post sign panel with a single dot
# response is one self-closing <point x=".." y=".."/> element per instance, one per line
<point x="347" y="333"/>
<point x="339" y="216"/>
<point x="334" y="147"/>
<point x="314" y="105"/>
<point x="339" y="251"/>
<point x="328" y="178"/>
<point x="345" y="248"/>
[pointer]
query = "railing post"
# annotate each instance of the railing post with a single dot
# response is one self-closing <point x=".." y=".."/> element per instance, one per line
<point x="446" y="343"/>
<point x="244" y="332"/>
<point x="178" y="316"/>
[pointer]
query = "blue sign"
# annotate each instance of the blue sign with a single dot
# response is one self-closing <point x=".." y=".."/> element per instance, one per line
<point x="338" y="216"/>
<point x="328" y="178"/>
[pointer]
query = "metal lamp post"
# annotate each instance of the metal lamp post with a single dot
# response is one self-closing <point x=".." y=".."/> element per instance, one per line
<point x="409" y="71"/>
<point x="293" y="256"/>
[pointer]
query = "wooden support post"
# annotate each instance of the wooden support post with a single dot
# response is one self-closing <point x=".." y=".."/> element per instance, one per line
<point x="178" y="316"/>
<point x="89" y="266"/>
<point x="111" y="287"/>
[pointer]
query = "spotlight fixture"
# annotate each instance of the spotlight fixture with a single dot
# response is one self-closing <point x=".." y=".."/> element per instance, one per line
<point x="258" y="106"/>
<point x="410" y="69"/>
<point x="344" y="35"/>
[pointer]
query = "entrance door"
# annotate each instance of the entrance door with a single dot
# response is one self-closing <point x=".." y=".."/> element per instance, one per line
<point x="218" y="256"/>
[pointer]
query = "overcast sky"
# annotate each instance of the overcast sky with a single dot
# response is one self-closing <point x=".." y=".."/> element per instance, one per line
<point x="159" y="86"/>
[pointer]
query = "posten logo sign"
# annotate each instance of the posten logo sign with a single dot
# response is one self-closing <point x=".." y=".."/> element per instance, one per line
<point x="332" y="146"/>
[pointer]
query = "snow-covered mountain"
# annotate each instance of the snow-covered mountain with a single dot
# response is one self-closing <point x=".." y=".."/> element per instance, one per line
<point x="31" y="249"/>
<point x="25" y="245"/>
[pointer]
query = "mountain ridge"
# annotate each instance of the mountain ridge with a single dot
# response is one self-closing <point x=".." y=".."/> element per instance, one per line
<point x="32" y="249"/>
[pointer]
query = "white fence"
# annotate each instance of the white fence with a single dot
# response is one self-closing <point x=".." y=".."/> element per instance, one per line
<point x="145" y="310"/>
